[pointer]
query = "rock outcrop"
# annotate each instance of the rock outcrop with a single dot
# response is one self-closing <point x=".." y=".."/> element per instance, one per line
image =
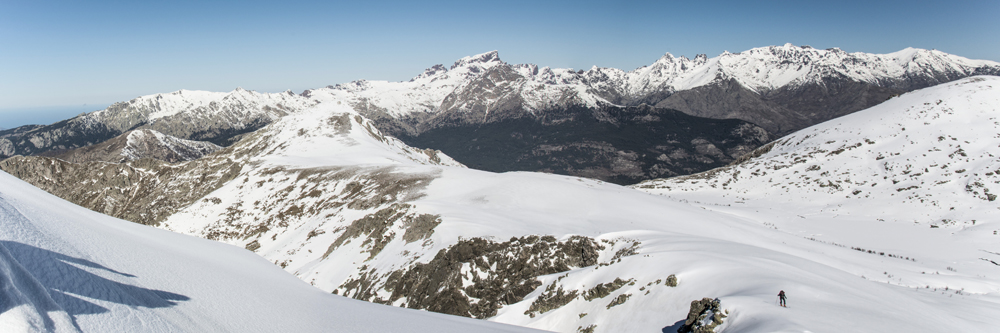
<point x="705" y="315"/>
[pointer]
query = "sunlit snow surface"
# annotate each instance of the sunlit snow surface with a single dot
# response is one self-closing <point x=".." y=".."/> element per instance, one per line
<point x="912" y="180"/>
<point x="64" y="268"/>
<point x="740" y="241"/>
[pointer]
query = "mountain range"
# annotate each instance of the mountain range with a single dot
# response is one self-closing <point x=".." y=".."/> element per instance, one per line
<point x="608" y="122"/>
<point x="888" y="208"/>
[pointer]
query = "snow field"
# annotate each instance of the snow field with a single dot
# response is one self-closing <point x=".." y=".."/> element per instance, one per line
<point x="896" y="195"/>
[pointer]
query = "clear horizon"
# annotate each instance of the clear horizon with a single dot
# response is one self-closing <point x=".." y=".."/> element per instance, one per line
<point x="64" y="55"/>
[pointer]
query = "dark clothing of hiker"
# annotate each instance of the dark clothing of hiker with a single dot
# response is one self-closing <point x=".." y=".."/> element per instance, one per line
<point x="781" y="297"/>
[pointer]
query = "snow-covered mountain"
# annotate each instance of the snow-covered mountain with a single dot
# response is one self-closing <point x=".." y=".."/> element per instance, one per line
<point x="483" y="99"/>
<point x="66" y="269"/>
<point x="192" y="115"/>
<point x="329" y="198"/>
<point x="482" y="88"/>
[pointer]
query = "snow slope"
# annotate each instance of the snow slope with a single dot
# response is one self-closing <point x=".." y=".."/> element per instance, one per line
<point x="64" y="269"/>
<point x="330" y="199"/>
<point x="910" y="184"/>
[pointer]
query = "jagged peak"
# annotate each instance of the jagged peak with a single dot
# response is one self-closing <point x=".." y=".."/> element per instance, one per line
<point x="435" y="69"/>
<point x="432" y="71"/>
<point x="482" y="58"/>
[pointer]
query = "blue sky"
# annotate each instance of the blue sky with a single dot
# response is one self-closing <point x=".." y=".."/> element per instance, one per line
<point x="60" y="58"/>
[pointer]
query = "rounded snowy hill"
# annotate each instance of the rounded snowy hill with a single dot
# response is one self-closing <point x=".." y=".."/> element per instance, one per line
<point x="64" y="268"/>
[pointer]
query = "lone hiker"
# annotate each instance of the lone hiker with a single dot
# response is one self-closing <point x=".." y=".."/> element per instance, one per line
<point x="781" y="297"/>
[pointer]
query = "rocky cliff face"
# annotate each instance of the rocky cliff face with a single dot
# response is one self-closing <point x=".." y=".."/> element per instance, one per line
<point x="783" y="110"/>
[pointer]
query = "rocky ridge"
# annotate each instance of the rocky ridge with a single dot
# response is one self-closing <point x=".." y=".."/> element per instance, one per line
<point x="138" y="144"/>
<point x="219" y="118"/>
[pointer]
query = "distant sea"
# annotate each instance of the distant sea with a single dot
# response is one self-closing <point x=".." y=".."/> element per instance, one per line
<point x="15" y="117"/>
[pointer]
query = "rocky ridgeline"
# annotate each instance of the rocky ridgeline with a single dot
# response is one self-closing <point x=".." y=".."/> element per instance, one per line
<point x="219" y="118"/>
<point x="138" y="144"/>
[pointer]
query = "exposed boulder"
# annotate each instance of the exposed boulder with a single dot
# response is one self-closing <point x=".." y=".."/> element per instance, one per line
<point x="705" y="315"/>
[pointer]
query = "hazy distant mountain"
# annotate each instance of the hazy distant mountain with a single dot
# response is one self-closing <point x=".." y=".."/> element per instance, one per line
<point x="185" y="114"/>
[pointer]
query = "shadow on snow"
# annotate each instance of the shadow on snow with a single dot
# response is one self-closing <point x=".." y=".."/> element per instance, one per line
<point x="70" y="285"/>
